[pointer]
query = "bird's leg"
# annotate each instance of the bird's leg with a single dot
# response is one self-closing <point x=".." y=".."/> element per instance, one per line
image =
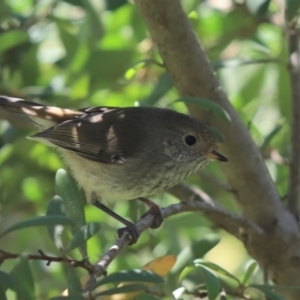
<point x="154" y="210"/>
<point x="130" y="227"/>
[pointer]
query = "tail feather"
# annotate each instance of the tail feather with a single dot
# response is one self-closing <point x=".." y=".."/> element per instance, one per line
<point x="30" y="114"/>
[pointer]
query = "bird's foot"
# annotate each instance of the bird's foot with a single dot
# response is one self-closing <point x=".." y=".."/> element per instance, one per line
<point x="130" y="227"/>
<point x="154" y="210"/>
<point x="132" y="232"/>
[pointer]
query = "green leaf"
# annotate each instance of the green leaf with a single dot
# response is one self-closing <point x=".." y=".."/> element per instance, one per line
<point x="5" y="152"/>
<point x="163" y="85"/>
<point x="74" y="285"/>
<point x="145" y="62"/>
<point x="85" y="233"/>
<point x="212" y="282"/>
<point x="2" y="293"/>
<point x="145" y="296"/>
<point x="258" y="7"/>
<point x="268" y="292"/>
<point x="23" y="280"/>
<point x="95" y="27"/>
<point x="284" y="91"/>
<point x="269" y="137"/>
<point x="196" y="250"/>
<point x="215" y="268"/>
<point x="130" y="276"/>
<point x="130" y="73"/>
<point x="80" y="87"/>
<point x="124" y="289"/>
<point x="207" y="105"/>
<point x="56" y="208"/>
<point x="80" y="59"/>
<point x="66" y="188"/>
<point x="237" y="62"/>
<point x="75" y="2"/>
<point x="114" y="4"/>
<point x="6" y="281"/>
<point x="249" y="272"/>
<point x="292" y="8"/>
<point x="66" y="31"/>
<point x="102" y="73"/>
<point x="39" y="221"/>
<point x="186" y="271"/>
<point x="217" y="134"/>
<point x="30" y="66"/>
<point x="11" y="39"/>
<point x="253" y="89"/>
<point x="68" y="298"/>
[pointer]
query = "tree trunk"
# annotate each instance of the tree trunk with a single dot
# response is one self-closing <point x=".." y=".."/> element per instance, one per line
<point x="278" y="249"/>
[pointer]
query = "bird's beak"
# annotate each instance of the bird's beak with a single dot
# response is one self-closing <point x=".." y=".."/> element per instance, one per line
<point x="216" y="156"/>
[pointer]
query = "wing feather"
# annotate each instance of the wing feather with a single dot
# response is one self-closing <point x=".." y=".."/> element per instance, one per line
<point x="98" y="135"/>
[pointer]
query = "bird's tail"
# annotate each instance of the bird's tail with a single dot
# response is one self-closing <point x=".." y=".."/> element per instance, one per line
<point x="33" y="115"/>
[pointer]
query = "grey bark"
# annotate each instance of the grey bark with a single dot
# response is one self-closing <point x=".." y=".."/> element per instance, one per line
<point x="278" y="250"/>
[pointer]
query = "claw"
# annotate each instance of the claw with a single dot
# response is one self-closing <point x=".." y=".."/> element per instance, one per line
<point x="131" y="231"/>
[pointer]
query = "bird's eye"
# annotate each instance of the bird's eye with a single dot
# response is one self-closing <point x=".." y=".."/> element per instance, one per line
<point x="190" y="140"/>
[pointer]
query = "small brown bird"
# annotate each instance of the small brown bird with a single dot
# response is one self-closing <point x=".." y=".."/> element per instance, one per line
<point x="120" y="153"/>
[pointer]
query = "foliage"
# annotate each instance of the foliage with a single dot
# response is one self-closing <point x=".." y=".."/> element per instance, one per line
<point x="77" y="53"/>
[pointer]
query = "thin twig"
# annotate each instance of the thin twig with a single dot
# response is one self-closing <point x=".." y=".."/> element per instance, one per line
<point x="294" y="71"/>
<point x="110" y="255"/>
<point x="85" y="264"/>
<point x="229" y="221"/>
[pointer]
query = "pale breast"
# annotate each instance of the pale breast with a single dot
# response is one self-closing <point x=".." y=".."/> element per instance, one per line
<point x="112" y="182"/>
<point x="96" y="177"/>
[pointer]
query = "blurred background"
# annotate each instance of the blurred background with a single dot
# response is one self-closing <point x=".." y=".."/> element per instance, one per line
<point x="76" y="53"/>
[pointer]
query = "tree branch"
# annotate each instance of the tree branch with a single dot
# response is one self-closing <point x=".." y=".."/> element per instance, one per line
<point x="246" y="171"/>
<point x="193" y="75"/>
<point x="201" y="202"/>
<point x="42" y="256"/>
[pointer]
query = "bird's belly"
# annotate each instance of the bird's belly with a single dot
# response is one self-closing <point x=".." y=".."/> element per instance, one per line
<point x="169" y="175"/>
<point x="103" y="179"/>
<point x="112" y="182"/>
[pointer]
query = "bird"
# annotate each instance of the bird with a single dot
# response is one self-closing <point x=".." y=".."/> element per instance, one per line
<point x="120" y="153"/>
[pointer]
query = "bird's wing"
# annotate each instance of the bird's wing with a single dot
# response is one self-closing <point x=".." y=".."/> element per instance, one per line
<point x="99" y="135"/>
